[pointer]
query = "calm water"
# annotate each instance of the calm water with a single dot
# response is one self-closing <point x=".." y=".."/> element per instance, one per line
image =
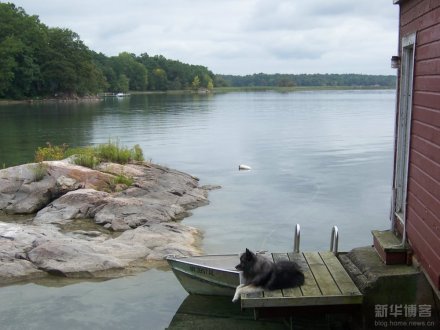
<point x="319" y="159"/>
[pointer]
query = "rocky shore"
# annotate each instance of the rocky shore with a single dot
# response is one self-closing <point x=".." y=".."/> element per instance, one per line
<point x="85" y="223"/>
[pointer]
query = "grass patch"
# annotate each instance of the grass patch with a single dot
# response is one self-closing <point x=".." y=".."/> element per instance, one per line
<point x="122" y="179"/>
<point x="83" y="156"/>
<point x="39" y="171"/>
<point x="113" y="152"/>
<point x="91" y="156"/>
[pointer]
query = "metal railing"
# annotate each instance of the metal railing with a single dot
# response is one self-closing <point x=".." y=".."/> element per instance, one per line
<point x="334" y="240"/>
<point x="296" y="239"/>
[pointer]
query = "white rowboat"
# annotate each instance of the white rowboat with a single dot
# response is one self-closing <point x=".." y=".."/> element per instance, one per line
<point x="208" y="274"/>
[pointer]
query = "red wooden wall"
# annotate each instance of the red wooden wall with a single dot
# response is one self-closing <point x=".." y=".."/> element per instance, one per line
<point x="423" y="210"/>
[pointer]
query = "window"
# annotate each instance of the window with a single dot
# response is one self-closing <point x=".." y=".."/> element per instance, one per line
<point x="404" y="125"/>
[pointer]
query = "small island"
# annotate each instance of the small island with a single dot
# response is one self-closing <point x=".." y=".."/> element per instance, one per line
<point x="60" y="218"/>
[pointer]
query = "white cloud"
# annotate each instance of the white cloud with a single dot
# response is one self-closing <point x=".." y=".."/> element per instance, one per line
<point x="237" y="36"/>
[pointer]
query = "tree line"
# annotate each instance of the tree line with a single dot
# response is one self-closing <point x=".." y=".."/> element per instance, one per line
<point x="39" y="61"/>
<point x="36" y="60"/>
<point x="291" y="80"/>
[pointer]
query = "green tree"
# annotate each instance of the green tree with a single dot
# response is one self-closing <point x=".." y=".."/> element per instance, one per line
<point x="123" y="83"/>
<point x="37" y="61"/>
<point x="9" y="48"/>
<point x="22" y="39"/>
<point x="195" y="83"/>
<point x="210" y="85"/>
<point x="126" y="63"/>
<point x="68" y="66"/>
<point x="158" y="80"/>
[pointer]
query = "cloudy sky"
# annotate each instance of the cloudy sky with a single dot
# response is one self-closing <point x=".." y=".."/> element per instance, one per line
<point x="237" y="36"/>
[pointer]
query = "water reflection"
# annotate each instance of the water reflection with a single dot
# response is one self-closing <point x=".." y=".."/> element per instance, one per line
<point x="24" y="127"/>
<point x="205" y="312"/>
<point x="210" y="312"/>
<point x="144" y="301"/>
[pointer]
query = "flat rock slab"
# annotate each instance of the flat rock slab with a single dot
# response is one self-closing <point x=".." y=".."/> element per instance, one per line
<point x="143" y="214"/>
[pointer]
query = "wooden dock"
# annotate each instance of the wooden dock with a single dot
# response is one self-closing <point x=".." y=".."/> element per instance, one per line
<point x="326" y="284"/>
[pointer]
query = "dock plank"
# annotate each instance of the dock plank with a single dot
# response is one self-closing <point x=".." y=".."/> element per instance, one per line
<point x="310" y="287"/>
<point x="322" y="275"/>
<point x="273" y="294"/>
<point x="252" y="295"/>
<point x="321" y="270"/>
<point x="339" y="274"/>
<point x="290" y="292"/>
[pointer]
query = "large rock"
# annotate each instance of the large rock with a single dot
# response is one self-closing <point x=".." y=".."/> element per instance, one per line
<point x="20" y="192"/>
<point x="158" y="194"/>
<point x="29" y="250"/>
<point x="15" y="240"/>
<point x="67" y="194"/>
<point x="77" y="204"/>
<point x="26" y="189"/>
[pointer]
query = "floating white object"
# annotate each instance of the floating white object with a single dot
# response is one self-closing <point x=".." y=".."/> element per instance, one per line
<point x="244" y="167"/>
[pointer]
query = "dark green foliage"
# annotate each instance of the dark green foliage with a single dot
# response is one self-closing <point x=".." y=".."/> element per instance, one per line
<point x="165" y="74"/>
<point x="67" y="65"/>
<point x="135" y="73"/>
<point x="36" y="60"/>
<point x="39" y="61"/>
<point x="22" y="42"/>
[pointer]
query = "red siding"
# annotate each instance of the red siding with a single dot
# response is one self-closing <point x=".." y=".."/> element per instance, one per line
<point x="423" y="212"/>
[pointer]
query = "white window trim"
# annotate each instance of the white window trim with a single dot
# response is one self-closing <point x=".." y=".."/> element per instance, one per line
<point x="406" y="87"/>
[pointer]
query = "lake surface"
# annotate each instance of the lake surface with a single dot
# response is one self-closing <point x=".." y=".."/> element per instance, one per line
<point x="319" y="158"/>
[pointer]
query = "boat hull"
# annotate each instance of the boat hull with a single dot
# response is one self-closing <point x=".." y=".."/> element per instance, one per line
<point x="207" y="275"/>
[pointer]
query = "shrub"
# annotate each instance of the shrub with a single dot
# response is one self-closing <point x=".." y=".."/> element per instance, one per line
<point x="113" y="152"/>
<point x="50" y="152"/>
<point x="91" y="156"/>
<point x="138" y="155"/>
<point x="84" y="156"/>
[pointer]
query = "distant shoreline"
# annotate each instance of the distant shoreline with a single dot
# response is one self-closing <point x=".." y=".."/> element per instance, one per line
<point x="215" y="90"/>
<point x="88" y="98"/>
<point x="298" y="88"/>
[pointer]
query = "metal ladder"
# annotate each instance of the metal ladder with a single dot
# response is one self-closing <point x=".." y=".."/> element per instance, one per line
<point x="334" y="239"/>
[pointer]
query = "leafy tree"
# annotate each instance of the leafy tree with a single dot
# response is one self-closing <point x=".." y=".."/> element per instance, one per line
<point x="123" y="83"/>
<point x="37" y="60"/>
<point x="195" y="83"/>
<point x="158" y="80"/>
<point x="9" y="48"/>
<point x="210" y="85"/>
<point x="127" y="64"/>
<point x="178" y="75"/>
<point x="22" y="38"/>
<point x="68" y="66"/>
